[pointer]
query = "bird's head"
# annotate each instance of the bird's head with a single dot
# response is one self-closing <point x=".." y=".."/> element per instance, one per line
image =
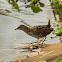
<point x="20" y="27"/>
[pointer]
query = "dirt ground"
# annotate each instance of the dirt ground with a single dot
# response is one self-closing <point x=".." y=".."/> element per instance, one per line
<point x="51" y="53"/>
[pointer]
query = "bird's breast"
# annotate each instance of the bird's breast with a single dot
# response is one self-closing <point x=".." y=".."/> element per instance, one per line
<point x="35" y="35"/>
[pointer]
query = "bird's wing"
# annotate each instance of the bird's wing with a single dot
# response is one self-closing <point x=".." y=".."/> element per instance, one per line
<point x="38" y="30"/>
<point x="39" y="26"/>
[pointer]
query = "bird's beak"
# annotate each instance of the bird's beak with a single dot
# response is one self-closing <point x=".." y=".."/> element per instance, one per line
<point x="16" y="29"/>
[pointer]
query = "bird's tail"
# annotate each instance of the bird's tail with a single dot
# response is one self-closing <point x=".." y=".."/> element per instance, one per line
<point x="49" y="25"/>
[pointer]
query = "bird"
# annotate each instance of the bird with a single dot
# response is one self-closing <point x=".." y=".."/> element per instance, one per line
<point x="38" y="31"/>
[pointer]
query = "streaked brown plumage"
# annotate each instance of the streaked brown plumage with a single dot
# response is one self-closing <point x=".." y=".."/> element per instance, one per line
<point x="36" y="31"/>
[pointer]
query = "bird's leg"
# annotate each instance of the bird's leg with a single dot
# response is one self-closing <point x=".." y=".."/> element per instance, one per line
<point x="38" y="41"/>
<point x="43" y="41"/>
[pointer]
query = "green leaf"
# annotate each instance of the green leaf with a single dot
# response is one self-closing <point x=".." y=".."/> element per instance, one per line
<point x="42" y="61"/>
<point x="60" y="28"/>
<point x="56" y="0"/>
<point x="34" y="0"/>
<point x="54" y="32"/>
<point x="36" y="9"/>
<point x="41" y="4"/>
<point x="59" y="32"/>
<point x="53" y="4"/>
<point x="15" y="6"/>
<point x="59" y="10"/>
<point x="59" y="60"/>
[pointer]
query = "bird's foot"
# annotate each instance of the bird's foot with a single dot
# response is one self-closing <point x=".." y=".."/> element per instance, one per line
<point x="42" y="44"/>
<point x="38" y="42"/>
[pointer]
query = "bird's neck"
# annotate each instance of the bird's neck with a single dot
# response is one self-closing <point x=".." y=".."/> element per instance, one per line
<point x="26" y="29"/>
